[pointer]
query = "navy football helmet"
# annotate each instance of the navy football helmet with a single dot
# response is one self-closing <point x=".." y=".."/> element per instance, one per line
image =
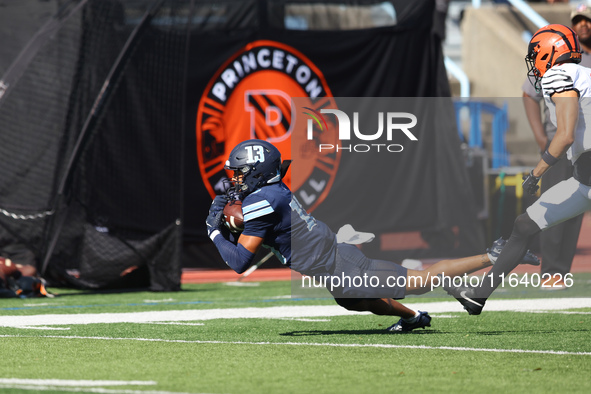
<point x="255" y="163"/>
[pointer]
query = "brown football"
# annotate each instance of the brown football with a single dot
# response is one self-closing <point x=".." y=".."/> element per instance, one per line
<point x="233" y="218"/>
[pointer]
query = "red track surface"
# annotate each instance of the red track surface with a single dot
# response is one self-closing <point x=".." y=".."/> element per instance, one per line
<point x="581" y="263"/>
<point x="208" y="276"/>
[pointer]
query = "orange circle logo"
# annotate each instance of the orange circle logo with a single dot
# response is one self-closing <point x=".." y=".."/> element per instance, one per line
<point x="251" y="96"/>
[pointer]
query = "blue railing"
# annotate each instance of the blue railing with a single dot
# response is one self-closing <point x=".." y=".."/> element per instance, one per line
<point x="499" y="127"/>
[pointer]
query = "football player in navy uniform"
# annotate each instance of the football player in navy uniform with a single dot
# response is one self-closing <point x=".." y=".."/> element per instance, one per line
<point x="274" y="219"/>
<point x="552" y="57"/>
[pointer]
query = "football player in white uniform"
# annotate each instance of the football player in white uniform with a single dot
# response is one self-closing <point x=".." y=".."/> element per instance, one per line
<point x="552" y="58"/>
<point x="558" y="244"/>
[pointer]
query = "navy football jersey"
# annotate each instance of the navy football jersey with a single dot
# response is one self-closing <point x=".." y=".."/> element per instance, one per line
<point x="298" y="240"/>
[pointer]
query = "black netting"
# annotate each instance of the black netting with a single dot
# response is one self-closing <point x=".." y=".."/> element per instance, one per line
<point x="121" y="204"/>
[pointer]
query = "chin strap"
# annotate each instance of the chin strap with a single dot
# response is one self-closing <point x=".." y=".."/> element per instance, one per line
<point x="284" y="167"/>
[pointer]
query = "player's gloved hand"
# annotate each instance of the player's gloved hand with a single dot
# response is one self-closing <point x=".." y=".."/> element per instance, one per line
<point x="218" y="203"/>
<point x="216" y="212"/>
<point x="530" y="183"/>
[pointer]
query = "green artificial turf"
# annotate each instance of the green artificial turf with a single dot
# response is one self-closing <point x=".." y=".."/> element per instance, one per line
<point x="493" y="352"/>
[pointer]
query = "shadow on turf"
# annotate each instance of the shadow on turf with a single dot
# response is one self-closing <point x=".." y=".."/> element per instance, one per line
<point x="354" y="332"/>
<point x="419" y="332"/>
<point x="528" y="332"/>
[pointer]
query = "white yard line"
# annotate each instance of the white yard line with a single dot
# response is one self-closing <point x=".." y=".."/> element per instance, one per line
<point x="154" y="301"/>
<point x="84" y="386"/>
<point x="533" y="305"/>
<point x="73" y="389"/>
<point x="173" y="315"/>
<point x="174" y="323"/>
<point x="44" y="328"/>
<point x="77" y="383"/>
<point x="316" y="344"/>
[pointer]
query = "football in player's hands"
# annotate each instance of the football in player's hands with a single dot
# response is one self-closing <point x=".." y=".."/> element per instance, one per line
<point x="233" y="218"/>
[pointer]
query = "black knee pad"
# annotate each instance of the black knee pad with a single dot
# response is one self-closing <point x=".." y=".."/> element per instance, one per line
<point x="347" y="303"/>
<point x="355" y="304"/>
<point x="524" y="226"/>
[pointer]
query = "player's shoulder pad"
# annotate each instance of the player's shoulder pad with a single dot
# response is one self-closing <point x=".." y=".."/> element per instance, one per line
<point x="558" y="79"/>
<point x="256" y="205"/>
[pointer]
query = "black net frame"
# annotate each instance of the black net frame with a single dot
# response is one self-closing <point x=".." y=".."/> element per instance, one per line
<point x="84" y="154"/>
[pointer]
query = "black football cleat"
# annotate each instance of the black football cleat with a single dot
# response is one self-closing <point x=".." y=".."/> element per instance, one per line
<point x="466" y="297"/>
<point x="422" y="321"/>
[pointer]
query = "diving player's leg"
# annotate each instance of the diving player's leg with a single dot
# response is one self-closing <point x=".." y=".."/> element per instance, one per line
<point x="364" y="286"/>
<point x="420" y="282"/>
<point x="377" y="306"/>
<point x="409" y="319"/>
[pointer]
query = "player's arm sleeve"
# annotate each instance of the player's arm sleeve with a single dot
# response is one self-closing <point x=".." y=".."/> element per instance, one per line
<point x="257" y="222"/>
<point x="236" y="256"/>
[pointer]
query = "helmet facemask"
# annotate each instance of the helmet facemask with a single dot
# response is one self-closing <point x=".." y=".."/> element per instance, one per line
<point x="533" y="73"/>
<point x="236" y="187"/>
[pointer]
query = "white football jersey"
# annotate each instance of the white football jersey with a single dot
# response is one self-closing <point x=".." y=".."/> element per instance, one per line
<point x="570" y="76"/>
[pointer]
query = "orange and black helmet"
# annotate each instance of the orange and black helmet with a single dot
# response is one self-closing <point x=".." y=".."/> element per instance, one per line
<point x="552" y="44"/>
